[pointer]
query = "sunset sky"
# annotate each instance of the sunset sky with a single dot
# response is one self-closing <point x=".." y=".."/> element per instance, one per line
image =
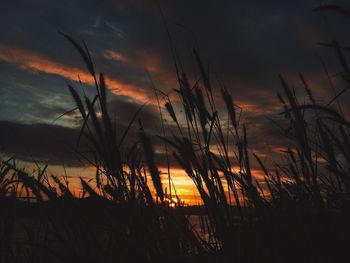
<point x="248" y="43"/>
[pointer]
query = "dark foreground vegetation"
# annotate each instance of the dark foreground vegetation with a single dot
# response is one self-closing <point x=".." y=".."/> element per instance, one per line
<point x="299" y="211"/>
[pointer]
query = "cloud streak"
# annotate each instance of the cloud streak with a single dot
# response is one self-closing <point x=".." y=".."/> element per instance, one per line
<point x="33" y="61"/>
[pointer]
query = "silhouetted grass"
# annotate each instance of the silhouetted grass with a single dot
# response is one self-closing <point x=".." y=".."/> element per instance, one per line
<point x="299" y="212"/>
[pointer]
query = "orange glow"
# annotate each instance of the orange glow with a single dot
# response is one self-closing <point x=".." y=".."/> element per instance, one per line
<point x="184" y="186"/>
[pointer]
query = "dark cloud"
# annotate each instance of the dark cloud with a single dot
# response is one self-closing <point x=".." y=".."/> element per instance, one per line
<point x="39" y="142"/>
<point x="55" y="144"/>
<point x="124" y="111"/>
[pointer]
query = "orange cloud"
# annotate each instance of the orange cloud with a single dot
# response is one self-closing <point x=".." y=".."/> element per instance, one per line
<point x="138" y="59"/>
<point x="150" y="61"/>
<point x="117" y="56"/>
<point x="146" y="60"/>
<point x="30" y="60"/>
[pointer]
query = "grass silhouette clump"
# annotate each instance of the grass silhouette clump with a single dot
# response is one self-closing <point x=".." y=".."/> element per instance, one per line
<point x="298" y="211"/>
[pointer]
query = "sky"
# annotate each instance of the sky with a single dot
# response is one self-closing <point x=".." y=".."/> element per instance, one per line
<point x="247" y="43"/>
